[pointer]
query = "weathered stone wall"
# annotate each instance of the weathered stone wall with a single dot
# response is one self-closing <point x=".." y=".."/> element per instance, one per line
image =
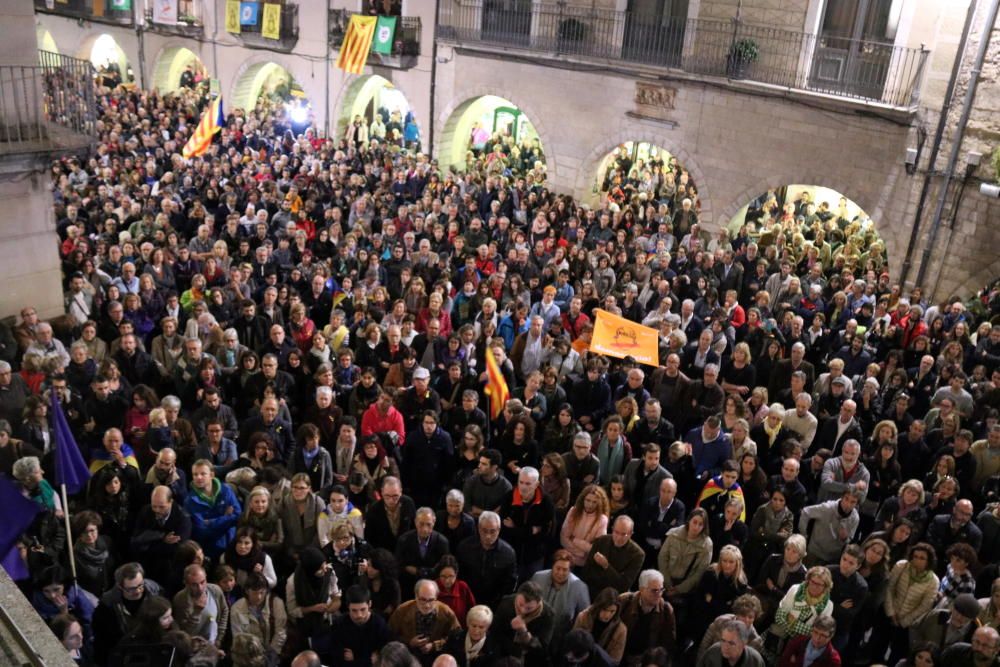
<point x="785" y="14"/>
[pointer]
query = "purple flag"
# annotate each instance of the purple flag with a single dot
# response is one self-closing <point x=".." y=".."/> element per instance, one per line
<point x="71" y="469"/>
<point x="19" y="513"/>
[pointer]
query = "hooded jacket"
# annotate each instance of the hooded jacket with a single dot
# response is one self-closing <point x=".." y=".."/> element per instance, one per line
<point x="211" y="526"/>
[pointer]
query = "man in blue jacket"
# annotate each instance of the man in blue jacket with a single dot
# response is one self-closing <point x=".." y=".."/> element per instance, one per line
<point x="214" y="509"/>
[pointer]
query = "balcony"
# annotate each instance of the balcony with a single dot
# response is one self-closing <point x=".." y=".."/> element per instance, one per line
<point x="869" y="72"/>
<point x="48" y="108"/>
<point x="189" y="23"/>
<point x="251" y="37"/>
<point x="405" y="44"/>
<point x="84" y="10"/>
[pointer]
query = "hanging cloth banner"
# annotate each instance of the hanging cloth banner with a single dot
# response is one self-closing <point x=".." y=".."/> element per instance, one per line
<point x="617" y="337"/>
<point x="271" y="28"/>
<point x="248" y="13"/>
<point x="357" y="44"/>
<point x="165" y="11"/>
<point x="233" y="16"/>
<point x="385" y="32"/>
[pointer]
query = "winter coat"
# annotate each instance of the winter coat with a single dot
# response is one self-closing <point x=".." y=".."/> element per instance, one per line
<point x="683" y="560"/>
<point x="211" y="526"/>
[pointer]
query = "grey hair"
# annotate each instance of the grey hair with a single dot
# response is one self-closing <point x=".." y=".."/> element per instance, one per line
<point x="583" y="436"/>
<point x="324" y="391"/>
<point x="648" y="576"/>
<point x="424" y="511"/>
<point x="26" y="467"/>
<point x="739" y="628"/>
<point x="806" y="396"/>
<point x="489" y="517"/>
<point x="425" y="582"/>
<point x="455" y="496"/>
<point x="827" y="624"/>
<point x="529" y="472"/>
<point x="4" y="367"/>
<point x="799" y="346"/>
<point x="480" y="613"/>
<point x="171" y="402"/>
<point x="711" y="367"/>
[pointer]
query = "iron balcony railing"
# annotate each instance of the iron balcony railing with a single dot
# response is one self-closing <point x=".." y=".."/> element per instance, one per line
<point x="288" y="33"/>
<point x="188" y="24"/>
<point x="857" y="69"/>
<point x="85" y="9"/>
<point x="48" y="107"/>
<point x="405" y="44"/>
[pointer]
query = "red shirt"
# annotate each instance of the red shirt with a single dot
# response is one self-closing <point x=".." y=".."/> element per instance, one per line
<point x="374" y="422"/>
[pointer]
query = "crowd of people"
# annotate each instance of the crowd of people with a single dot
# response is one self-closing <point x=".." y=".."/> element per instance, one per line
<point x="273" y="360"/>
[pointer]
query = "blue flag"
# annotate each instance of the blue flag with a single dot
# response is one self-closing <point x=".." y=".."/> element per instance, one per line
<point x="19" y="513"/>
<point x="248" y="13"/>
<point x="71" y="469"/>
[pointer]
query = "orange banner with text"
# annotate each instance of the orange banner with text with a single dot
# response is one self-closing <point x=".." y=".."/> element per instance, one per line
<point x="617" y="337"/>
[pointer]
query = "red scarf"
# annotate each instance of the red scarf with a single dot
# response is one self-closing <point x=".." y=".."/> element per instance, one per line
<point x="518" y="501"/>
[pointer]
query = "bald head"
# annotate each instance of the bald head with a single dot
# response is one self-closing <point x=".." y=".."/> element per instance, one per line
<point x="444" y="661"/>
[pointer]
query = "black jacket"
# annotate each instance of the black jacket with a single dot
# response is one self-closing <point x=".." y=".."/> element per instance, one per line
<point x="490" y="574"/>
<point x="408" y="553"/>
<point x="377" y="530"/>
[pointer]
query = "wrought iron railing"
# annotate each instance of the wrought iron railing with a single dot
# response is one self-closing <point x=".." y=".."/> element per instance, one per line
<point x="864" y="70"/>
<point x="85" y="9"/>
<point x="47" y="107"/>
<point x="405" y="43"/>
<point x="188" y="24"/>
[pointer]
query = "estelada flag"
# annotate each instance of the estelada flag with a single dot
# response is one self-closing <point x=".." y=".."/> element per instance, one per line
<point x="617" y="337"/>
<point x="211" y="122"/>
<point x="496" y="385"/>
<point x="357" y="44"/>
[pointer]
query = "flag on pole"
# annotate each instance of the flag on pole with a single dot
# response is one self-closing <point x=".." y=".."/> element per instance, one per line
<point x="233" y="16"/>
<point x="271" y="27"/>
<point x="357" y="44"/>
<point x="71" y="469"/>
<point x="211" y="122"/>
<point x="385" y="32"/>
<point x="496" y="385"/>
<point x="19" y="513"/>
<point x="617" y="337"/>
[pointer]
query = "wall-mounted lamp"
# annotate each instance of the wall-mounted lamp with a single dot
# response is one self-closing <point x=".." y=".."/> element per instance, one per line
<point x="991" y="190"/>
<point x="910" y="162"/>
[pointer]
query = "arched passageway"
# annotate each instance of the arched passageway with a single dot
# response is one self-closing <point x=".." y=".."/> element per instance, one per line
<point x="178" y="66"/>
<point x="645" y="169"/>
<point x="108" y="58"/>
<point x="492" y="129"/>
<point x="46" y="42"/>
<point x="813" y="225"/>
<point x="374" y="96"/>
<point x="273" y="83"/>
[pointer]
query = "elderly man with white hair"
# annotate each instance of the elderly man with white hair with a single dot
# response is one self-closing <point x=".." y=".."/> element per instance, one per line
<point x="649" y="618"/>
<point x="47" y="346"/>
<point x="424" y="623"/>
<point x="488" y="563"/>
<point x="528" y="517"/>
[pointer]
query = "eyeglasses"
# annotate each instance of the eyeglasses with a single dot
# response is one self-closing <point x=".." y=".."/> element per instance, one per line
<point x="134" y="589"/>
<point x="426" y="600"/>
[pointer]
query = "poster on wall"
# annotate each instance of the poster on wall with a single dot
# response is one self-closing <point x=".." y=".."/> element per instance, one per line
<point x="271" y="28"/>
<point x="248" y="13"/>
<point x="165" y="11"/>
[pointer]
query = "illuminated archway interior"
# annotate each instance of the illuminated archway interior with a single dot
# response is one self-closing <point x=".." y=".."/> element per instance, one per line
<point x="106" y="52"/>
<point x="804" y="209"/>
<point x="171" y="65"/>
<point x="46" y="42"/>
<point x="639" y="166"/>
<point x="483" y="124"/>
<point x="373" y="95"/>
<point x="269" y="80"/>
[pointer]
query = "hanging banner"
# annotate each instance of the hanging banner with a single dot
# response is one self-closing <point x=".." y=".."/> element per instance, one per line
<point x="98" y="7"/>
<point x="617" y="337"/>
<point x="121" y="5"/>
<point x="271" y="28"/>
<point x="385" y="31"/>
<point x="165" y="11"/>
<point x="233" y="16"/>
<point x="248" y="13"/>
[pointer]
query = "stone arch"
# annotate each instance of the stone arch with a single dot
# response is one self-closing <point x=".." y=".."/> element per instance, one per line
<point x="871" y="200"/>
<point x="447" y="122"/>
<point x="592" y="162"/>
<point x="354" y="90"/>
<point x="246" y="83"/>
<point x="46" y="42"/>
<point x="170" y="62"/>
<point x="98" y="40"/>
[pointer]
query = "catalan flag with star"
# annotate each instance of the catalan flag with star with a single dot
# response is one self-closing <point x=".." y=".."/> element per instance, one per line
<point x="211" y="122"/>
<point x="357" y="43"/>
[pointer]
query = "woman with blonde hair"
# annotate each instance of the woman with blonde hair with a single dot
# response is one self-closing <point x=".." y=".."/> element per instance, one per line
<point x="628" y="410"/>
<point x="720" y="585"/>
<point x="757" y="406"/>
<point x="907" y="503"/>
<point x="585" y="522"/>
<point x="990" y="614"/>
<point x="801" y="606"/>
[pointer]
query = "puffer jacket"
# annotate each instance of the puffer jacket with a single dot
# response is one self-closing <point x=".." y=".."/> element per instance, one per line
<point x="682" y="560"/>
<point x="211" y="526"/>
<point x="906" y="599"/>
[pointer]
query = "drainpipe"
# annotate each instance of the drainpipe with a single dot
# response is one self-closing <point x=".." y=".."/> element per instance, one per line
<point x="434" y="62"/>
<point x="139" y="17"/>
<point x="326" y="98"/>
<point x="970" y="96"/>
<point x="215" y="43"/>
<point x="949" y="96"/>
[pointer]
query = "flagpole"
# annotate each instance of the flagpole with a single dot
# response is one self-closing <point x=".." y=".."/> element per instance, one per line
<point x="69" y="533"/>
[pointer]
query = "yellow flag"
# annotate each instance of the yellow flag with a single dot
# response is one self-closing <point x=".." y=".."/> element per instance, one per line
<point x="271" y="27"/>
<point x="233" y="16"/>
<point x="617" y="337"/>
